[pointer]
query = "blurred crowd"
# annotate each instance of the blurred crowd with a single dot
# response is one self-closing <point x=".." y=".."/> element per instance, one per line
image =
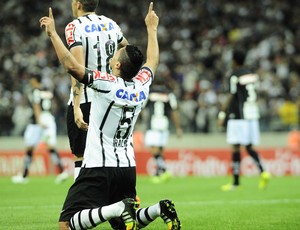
<point x="196" y="38"/>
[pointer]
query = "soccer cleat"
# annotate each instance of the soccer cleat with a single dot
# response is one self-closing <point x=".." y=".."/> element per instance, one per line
<point x="229" y="187"/>
<point x="155" y="180"/>
<point x="264" y="180"/>
<point x="128" y="215"/>
<point x="162" y="178"/>
<point x="169" y="215"/>
<point x="165" y="176"/>
<point x="19" y="179"/>
<point x="61" y="177"/>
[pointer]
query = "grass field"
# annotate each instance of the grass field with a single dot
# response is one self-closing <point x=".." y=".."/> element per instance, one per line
<point x="199" y="201"/>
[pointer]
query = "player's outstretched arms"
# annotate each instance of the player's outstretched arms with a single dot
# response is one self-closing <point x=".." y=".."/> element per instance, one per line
<point x="151" y="21"/>
<point x="64" y="56"/>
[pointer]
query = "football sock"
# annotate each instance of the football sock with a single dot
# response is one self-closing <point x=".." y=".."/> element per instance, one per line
<point x="113" y="210"/>
<point x="255" y="156"/>
<point x="144" y="216"/>
<point x="236" y="161"/>
<point x="28" y="159"/>
<point x="85" y="219"/>
<point x="89" y="218"/>
<point x="77" y="168"/>
<point x="56" y="159"/>
<point x="160" y="162"/>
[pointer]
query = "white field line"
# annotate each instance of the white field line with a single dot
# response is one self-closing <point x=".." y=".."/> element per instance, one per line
<point x="188" y="203"/>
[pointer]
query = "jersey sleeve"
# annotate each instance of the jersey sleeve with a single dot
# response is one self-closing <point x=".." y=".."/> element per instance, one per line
<point x="145" y="76"/>
<point x="73" y="36"/>
<point x="119" y="32"/>
<point x="99" y="81"/>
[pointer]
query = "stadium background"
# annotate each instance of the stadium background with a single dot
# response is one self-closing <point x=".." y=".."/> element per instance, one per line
<point x="195" y="38"/>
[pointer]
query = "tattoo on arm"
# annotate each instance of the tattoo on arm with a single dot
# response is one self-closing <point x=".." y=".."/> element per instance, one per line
<point x="78" y="85"/>
<point x="76" y="88"/>
<point x="75" y="94"/>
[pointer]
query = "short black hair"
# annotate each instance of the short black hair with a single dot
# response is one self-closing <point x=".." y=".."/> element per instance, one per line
<point x="131" y="60"/>
<point x="89" y="5"/>
<point x="239" y="56"/>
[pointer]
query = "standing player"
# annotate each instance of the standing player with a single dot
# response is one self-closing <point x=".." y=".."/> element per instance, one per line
<point x="242" y="112"/>
<point x="108" y="176"/>
<point x="92" y="40"/>
<point x="162" y="104"/>
<point x="41" y="128"/>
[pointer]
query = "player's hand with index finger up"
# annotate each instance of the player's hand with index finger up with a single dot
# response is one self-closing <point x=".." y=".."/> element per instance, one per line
<point x="48" y="23"/>
<point x="151" y="19"/>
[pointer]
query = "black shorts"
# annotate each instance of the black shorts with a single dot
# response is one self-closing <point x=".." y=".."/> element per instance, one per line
<point x="77" y="137"/>
<point x="97" y="187"/>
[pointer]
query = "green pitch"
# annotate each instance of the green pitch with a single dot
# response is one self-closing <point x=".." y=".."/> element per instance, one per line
<point x="199" y="202"/>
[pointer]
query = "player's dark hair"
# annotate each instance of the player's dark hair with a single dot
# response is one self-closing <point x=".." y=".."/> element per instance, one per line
<point x="89" y="5"/>
<point x="131" y="60"/>
<point x="239" y="56"/>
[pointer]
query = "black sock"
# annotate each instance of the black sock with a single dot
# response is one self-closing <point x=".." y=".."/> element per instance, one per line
<point x="56" y="159"/>
<point x="28" y="159"/>
<point x="255" y="157"/>
<point x="236" y="162"/>
<point x="160" y="162"/>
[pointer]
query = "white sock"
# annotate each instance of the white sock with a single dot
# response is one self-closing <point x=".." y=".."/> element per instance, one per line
<point x="86" y="218"/>
<point x="145" y="216"/>
<point x="113" y="210"/>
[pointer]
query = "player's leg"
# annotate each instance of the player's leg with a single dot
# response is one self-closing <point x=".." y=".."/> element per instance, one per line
<point x="236" y="164"/>
<point x="32" y="137"/>
<point x="49" y="137"/>
<point x="164" y="209"/>
<point x="79" y="211"/>
<point x="254" y="138"/>
<point x="253" y="153"/>
<point x="63" y="174"/>
<point x="156" y="141"/>
<point x="88" y="218"/>
<point x="235" y="135"/>
<point x="76" y="136"/>
<point x="159" y="159"/>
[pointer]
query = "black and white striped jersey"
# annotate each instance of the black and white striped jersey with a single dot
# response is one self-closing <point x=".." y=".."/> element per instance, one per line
<point x="161" y="103"/>
<point x="114" y="110"/>
<point x="42" y="97"/>
<point x="99" y="37"/>
<point x="242" y="85"/>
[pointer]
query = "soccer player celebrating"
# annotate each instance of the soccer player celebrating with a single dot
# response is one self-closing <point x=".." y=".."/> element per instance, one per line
<point x="105" y="186"/>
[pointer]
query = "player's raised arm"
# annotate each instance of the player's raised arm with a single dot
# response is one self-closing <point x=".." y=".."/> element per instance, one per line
<point x="64" y="56"/>
<point x="151" y="21"/>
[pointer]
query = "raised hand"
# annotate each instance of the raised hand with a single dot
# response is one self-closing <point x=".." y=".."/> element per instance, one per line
<point x="151" y="19"/>
<point x="48" y="24"/>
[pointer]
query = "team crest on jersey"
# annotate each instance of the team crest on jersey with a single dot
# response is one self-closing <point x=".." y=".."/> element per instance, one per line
<point x="99" y="27"/>
<point x="123" y="94"/>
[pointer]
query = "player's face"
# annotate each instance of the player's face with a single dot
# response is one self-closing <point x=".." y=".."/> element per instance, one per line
<point x="114" y="62"/>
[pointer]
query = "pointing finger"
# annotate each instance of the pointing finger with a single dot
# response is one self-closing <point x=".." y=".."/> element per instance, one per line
<point x="150" y="7"/>
<point x="50" y="13"/>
